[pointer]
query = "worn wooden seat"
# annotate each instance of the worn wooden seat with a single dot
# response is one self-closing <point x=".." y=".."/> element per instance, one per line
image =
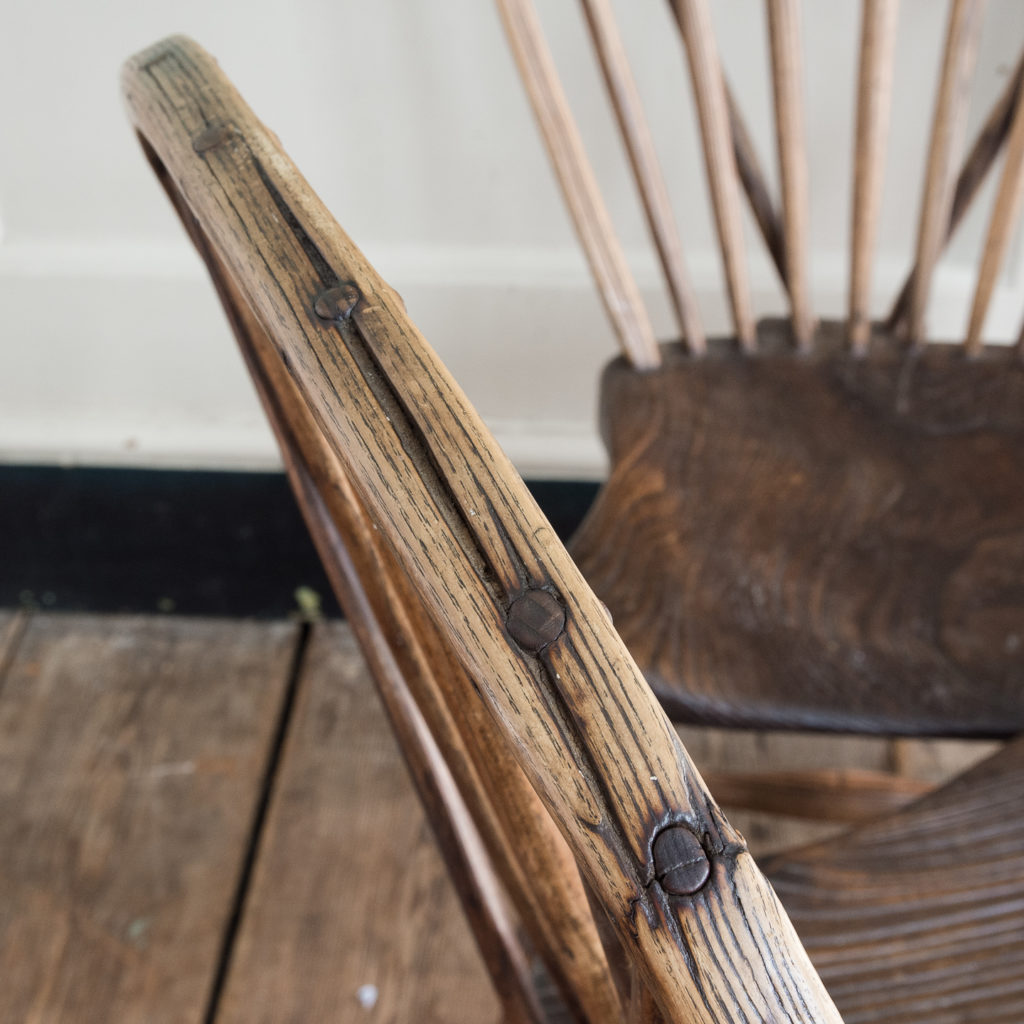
<point x="584" y="845"/>
<point x="806" y="525"/>
<point x="919" y="917"/>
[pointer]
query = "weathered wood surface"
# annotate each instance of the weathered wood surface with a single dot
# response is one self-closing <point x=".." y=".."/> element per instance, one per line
<point x="919" y="918"/>
<point x="131" y="762"/>
<point x="492" y="830"/>
<point x="348" y="889"/>
<point x="826" y="542"/>
<point x="589" y="735"/>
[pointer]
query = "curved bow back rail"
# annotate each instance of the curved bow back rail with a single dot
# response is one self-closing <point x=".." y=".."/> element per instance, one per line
<point x="704" y="929"/>
<point x="733" y="166"/>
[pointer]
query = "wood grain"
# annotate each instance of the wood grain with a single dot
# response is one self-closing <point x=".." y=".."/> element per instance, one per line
<point x="131" y="759"/>
<point x="643" y="158"/>
<point x="475" y="794"/>
<point x="585" y="728"/>
<point x="621" y="297"/>
<point x="694" y="19"/>
<point x="948" y="123"/>
<point x="897" y="612"/>
<point x="349" y="890"/>
<point x="917" y="918"/>
<point x="874" y="97"/>
<point x="1002" y="223"/>
<point x="787" y="85"/>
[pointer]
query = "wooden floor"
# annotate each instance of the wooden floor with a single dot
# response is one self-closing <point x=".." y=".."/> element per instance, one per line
<point x="207" y="821"/>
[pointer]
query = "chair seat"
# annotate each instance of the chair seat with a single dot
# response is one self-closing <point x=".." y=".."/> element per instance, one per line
<point x="818" y="541"/>
<point x="919" y="916"/>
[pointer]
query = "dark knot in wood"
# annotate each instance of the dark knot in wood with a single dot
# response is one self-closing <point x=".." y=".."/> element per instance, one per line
<point x="535" y="620"/>
<point x="680" y="863"/>
<point x="212" y="136"/>
<point x="337" y="302"/>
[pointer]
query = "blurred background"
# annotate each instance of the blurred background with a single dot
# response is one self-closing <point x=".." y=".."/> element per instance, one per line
<point x="136" y="469"/>
<point x="409" y="120"/>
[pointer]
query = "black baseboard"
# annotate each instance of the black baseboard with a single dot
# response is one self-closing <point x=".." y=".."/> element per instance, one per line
<point x="194" y="543"/>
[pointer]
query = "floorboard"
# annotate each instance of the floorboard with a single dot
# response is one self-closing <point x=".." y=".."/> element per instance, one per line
<point x="131" y="760"/>
<point x="350" y="917"/>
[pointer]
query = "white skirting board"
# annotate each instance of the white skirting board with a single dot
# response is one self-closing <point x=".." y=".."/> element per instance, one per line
<point x="117" y="354"/>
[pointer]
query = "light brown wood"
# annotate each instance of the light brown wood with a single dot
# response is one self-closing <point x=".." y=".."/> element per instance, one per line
<point x="618" y="289"/>
<point x="474" y="791"/>
<point x="974" y="171"/>
<point x="917" y="918"/>
<point x="948" y="124"/>
<point x="787" y="70"/>
<point x="874" y="96"/>
<point x="348" y="890"/>
<point x="986" y="147"/>
<point x="939" y="761"/>
<point x="1001" y="226"/>
<point x="644" y="160"/>
<point x="825" y="795"/>
<point x="587" y="731"/>
<point x="694" y="20"/>
<point x="131" y="761"/>
<point x="752" y="177"/>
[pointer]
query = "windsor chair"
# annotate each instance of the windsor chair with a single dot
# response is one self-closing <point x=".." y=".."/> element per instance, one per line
<point x="582" y="841"/>
<point x="806" y="525"/>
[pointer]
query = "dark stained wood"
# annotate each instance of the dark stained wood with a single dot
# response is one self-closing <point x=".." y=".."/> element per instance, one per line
<point x="829" y="542"/>
<point x="348" y="890"/>
<point x="918" y="918"/>
<point x="469" y="539"/>
<point x="131" y="760"/>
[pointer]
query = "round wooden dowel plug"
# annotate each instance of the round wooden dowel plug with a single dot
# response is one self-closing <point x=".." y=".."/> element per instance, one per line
<point x="680" y="863"/>
<point x="535" y="619"/>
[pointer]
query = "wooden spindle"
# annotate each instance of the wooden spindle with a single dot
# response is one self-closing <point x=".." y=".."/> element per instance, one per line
<point x="643" y="158"/>
<point x="784" y="33"/>
<point x="1000" y="229"/>
<point x="616" y="284"/>
<point x="986" y="147"/>
<point x="874" y="101"/>
<point x="947" y="130"/>
<point x="755" y="184"/>
<point x="694" y="20"/>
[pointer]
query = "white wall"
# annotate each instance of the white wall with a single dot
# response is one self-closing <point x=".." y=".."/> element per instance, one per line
<point x="408" y="118"/>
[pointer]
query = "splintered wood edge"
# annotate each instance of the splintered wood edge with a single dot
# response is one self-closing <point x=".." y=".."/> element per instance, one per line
<point x="587" y="730"/>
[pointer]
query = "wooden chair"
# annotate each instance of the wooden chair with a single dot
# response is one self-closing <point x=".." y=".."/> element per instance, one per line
<point x="584" y="844"/>
<point x="806" y="525"/>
